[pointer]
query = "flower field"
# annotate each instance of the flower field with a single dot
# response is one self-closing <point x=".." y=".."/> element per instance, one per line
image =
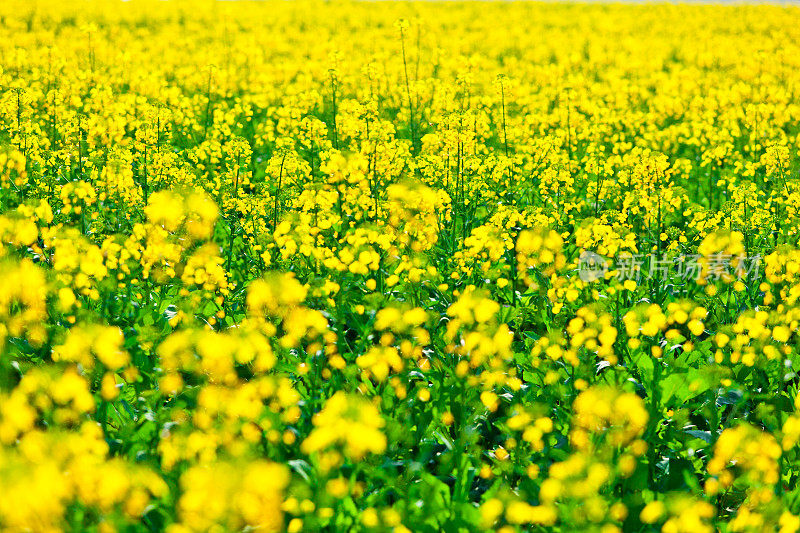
<point x="410" y="267"/>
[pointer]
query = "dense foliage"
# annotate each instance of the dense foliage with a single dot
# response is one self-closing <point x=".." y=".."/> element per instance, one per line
<point x="399" y="266"/>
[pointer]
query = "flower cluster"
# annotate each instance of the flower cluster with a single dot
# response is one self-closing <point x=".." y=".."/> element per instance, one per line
<point x="394" y="267"/>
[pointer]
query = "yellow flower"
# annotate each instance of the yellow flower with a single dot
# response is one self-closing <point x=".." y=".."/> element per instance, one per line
<point x="652" y="512"/>
<point x="350" y="422"/>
